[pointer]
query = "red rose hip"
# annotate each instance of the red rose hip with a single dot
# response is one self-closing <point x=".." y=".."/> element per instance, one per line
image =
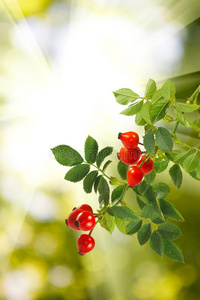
<point x="85" y="221"/>
<point x="86" y="207"/>
<point x="85" y="244"/>
<point x="129" y="139"/>
<point x="72" y="218"/>
<point x="147" y="166"/>
<point x="129" y="157"/>
<point x="134" y="176"/>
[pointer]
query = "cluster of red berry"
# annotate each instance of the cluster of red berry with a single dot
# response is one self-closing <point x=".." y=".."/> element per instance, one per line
<point x="82" y="218"/>
<point x="131" y="154"/>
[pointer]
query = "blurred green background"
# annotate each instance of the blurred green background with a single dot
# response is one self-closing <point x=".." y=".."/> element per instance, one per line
<point x="59" y="63"/>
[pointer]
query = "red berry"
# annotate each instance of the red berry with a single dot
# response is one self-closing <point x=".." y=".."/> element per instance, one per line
<point x="72" y="218"/>
<point x="85" y="221"/>
<point x="147" y="166"/>
<point x="85" y="244"/>
<point x="129" y="139"/>
<point x="86" y="207"/>
<point x="129" y="157"/>
<point x="134" y="176"/>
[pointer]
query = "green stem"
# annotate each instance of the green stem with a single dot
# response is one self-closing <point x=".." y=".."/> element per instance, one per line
<point x="175" y="127"/>
<point x="195" y="94"/>
<point x="101" y="171"/>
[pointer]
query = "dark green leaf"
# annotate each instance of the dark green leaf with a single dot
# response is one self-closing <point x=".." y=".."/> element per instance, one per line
<point x="169" y="211"/>
<point x="191" y="162"/>
<point x="89" y="181"/>
<point x="124" y="213"/>
<point x="150" y="196"/>
<point x="149" y="142"/>
<point x="77" y="173"/>
<point x="104" y="192"/>
<point x="156" y="219"/>
<point x="141" y="203"/>
<point x="133" y="227"/>
<point x="122" y="169"/>
<point x="156" y="243"/>
<point x="116" y="194"/>
<point x="172" y="251"/>
<point x="180" y="157"/>
<point x="132" y="109"/>
<point x="164" y="139"/>
<point x="145" y="112"/>
<point x="162" y="190"/>
<point x="160" y="165"/>
<point x="187" y="107"/>
<point x="106" y="165"/>
<point x="144" y="234"/>
<point x="150" y="177"/>
<point x="156" y="96"/>
<point x="159" y="110"/>
<point x="150" y="89"/>
<point x="194" y="175"/>
<point x="139" y="119"/>
<point x="108" y="222"/>
<point x="141" y="188"/>
<point x="103" y="154"/>
<point x="97" y="182"/>
<point x="182" y="119"/>
<point x="169" y="231"/>
<point x="147" y="211"/>
<point x="124" y="96"/>
<point x="67" y="156"/>
<point x="168" y="90"/>
<point x="91" y="149"/>
<point x="176" y="175"/>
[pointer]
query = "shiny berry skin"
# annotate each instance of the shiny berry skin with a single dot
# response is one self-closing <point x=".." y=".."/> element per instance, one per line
<point x="147" y="166"/>
<point x="129" y="139"/>
<point x="85" y="221"/>
<point x="134" y="176"/>
<point x="86" y="207"/>
<point x="85" y="244"/>
<point x="72" y="218"/>
<point x="129" y="157"/>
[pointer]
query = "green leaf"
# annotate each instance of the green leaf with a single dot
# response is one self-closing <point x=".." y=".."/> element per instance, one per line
<point x="187" y="108"/>
<point x="160" y="165"/>
<point x="156" y="219"/>
<point x="169" y="211"/>
<point x="97" y="182"/>
<point x="121" y="225"/>
<point x="162" y="190"/>
<point x="122" y="169"/>
<point x="156" y="96"/>
<point x="159" y="110"/>
<point x="150" y="196"/>
<point x="145" y="112"/>
<point x="176" y="175"/>
<point x="91" y="149"/>
<point x="172" y="251"/>
<point x="103" y="154"/>
<point x="124" y="213"/>
<point x="144" y="234"/>
<point x="67" y="156"/>
<point x="150" y="177"/>
<point x="141" y="203"/>
<point x="139" y="119"/>
<point x="182" y="119"/>
<point x="169" y="231"/>
<point x="149" y="142"/>
<point x="106" y="165"/>
<point x="147" y="211"/>
<point x="141" y="188"/>
<point x="104" y="192"/>
<point x="150" y="89"/>
<point x="191" y="162"/>
<point x="114" y="181"/>
<point x="168" y="90"/>
<point x="116" y="194"/>
<point x="133" y="227"/>
<point x="108" y="222"/>
<point x="124" y="96"/>
<point x="77" y="173"/>
<point x="198" y="170"/>
<point x="193" y="174"/>
<point x="89" y="181"/>
<point x="156" y="243"/>
<point x="164" y="139"/>
<point x="132" y="109"/>
<point x="180" y="157"/>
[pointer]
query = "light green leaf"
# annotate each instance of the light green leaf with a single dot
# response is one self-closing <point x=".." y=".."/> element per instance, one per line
<point x="164" y="139"/>
<point x="149" y="142"/>
<point x="191" y="162"/>
<point x="91" y="149"/>
<point x="182" y="119"/>
<point x="132" y="109"/>
<point x="77" y="173"/>
<point x="187" y="107"/>
<point x="139" y="119"/>
<point x="198" y="170"/>
<point x="172" y="251"/>
<point x="133" y="226"/>
<point x="162" y="190"/>
<point x="144" y="234"/>
<point x="122" y="169"/>
<point x="169" y="211"/>
<point x="169" y="231"/>
<point x="168" y="90"/>
<point x="141" y="203"/>
<point x="108" y="222"/>
<point x="156" y="96"/>
<point x="159" y="110"/>
<point x="160" y="165"/>
<point x="145" y="112"/>
<point x="176" y="175"/>
<point x="156" y="243"/>
<point x="67" y="156"/>
<point x="150" y="89"/>
<point x="180" y="157"/>
<point x="121" y="225"/>
<point x="103" y="154"/>
<point x="124" y="96"/>
<point x="116" y="194"/>
<point x="89" y="181"/>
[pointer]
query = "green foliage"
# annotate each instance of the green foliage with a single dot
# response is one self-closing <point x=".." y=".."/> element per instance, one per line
<point x="91" y="149"/>
<point x="132" y="109"/>
<point x="172" y="251"/>
<point x="150" y="89"/>
<point x="145" y="112"/>
<point x="168" y="90"/>
<point x="122" y="169"/>
<point x="124" y="96"/>
<point x="103" y="154"/>
<point x="164" y="139"/>
<point x="67" y="156"/>
<point x="169" y="231"/>
<point x="156" y="243"/>
<point x="77" y="173"/>
<point x="160" y="164"/>
<point x="149" y="142"/>
<point x="191" y="162"/>
<point x="89" y="181"/>
<point x="104" y="191"/>
<point x="123" y="213"/>
<point x="169" y="211"/>
<point x="108" y="222"/>
<point x="162" y="190"/>
<point x="116" y="194"/>
<point x="144" y="234"/>
<point x="176" y="175"/>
